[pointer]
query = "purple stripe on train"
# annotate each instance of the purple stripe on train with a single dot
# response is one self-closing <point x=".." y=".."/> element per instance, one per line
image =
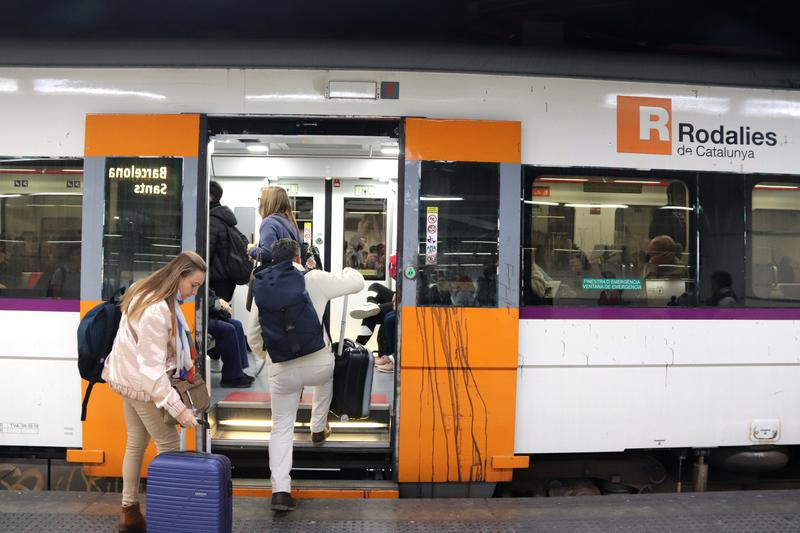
<point x="658" y="313"/>
<point x="40" y="304"/>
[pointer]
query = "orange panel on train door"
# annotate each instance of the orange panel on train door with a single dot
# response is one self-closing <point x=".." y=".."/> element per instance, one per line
<point x="112" y="136"/>
<point x="458" y="356"/>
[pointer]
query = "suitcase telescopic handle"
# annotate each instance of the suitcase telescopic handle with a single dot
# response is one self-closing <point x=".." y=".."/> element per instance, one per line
<point x="340" y="349"/>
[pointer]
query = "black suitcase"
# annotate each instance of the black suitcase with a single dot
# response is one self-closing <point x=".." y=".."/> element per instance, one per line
<point x="352" y="377"/>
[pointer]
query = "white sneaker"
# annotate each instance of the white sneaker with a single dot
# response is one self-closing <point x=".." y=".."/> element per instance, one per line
<point x="365" y="311"/>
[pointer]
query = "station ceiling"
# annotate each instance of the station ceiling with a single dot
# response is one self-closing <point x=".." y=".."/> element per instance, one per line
<point x="712" y="28"/>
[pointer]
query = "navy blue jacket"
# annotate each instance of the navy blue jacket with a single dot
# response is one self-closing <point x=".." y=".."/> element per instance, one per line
<point x="273" y="228"/>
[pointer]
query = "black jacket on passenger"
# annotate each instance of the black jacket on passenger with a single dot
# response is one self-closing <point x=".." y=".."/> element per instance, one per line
<point x="220" y="217"/>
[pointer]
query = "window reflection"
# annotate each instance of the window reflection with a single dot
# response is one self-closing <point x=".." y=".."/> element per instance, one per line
<point x="365" y="236"/>
<point x="40" y="228"/>
<point x="142" y="230"/>
<point x="775" y="260"/>
<point x="458" y="234"/>
<point x="593" y="240"/>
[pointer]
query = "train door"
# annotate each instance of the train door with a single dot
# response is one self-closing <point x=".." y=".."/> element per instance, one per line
<point x="343" y="191"/>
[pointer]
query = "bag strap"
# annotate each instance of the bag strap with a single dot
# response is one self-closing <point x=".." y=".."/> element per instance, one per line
<point x="85" y="403"/>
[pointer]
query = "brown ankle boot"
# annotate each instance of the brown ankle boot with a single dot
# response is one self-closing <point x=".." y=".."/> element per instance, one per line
<point x="131" y="519"/>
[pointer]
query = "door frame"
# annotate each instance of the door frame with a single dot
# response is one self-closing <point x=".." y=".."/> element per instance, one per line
<point x="372" y="126"/>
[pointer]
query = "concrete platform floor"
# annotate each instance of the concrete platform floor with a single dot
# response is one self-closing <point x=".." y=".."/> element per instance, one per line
<point x="762" y="511"/>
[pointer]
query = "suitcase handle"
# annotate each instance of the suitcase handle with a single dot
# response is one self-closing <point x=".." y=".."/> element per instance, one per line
<point x="344" y="323"/>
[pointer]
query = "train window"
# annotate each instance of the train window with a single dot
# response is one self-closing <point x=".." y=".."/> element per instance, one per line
<point x="365" y="236"/>
<point x="40" y="228"/>
<point x="142" y="230"/>
<point x="774" y="266"/>
<point x="458" y="234"/>
<point x="593" y="240"/>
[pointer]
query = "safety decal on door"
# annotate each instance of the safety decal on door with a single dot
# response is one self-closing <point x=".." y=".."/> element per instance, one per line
<point x="307" y="232"/>
<point x="432" y="236"/>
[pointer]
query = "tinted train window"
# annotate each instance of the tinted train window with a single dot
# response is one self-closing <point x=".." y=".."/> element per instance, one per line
<point x="458" y="234"/>
<point x="142" y="231"/>
<point x="365" y="236"/>
<point x="774" y="266"/>
<point x="40" y="228"/>
<point x="591" y="240"/>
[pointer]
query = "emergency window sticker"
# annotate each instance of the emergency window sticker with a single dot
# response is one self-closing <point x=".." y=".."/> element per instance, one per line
<point x="432" y="236"/>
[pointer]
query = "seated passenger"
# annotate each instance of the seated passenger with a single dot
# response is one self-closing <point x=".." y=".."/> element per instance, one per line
<point x="373" y="313"/>
<point x="464" y="295"/>
<point x="6" y="272"/>
<point x="387" y="342"/>
<point x="572" y="282"/>
<point x="231" y="344"/>
<point x="663" y="262"/>
<point x="66" y="280"/>
<point x="722" y="294"/>
<point x="487" y="287"/>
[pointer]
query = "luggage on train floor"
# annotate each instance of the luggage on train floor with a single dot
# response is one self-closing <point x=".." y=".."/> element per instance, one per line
<point x="189" y="492"/>
<point x="352" y="376"/>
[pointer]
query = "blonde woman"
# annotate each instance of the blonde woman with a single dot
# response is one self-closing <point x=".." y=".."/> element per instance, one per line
<point x="151" y="345"/>
<point x="277" y="223"/>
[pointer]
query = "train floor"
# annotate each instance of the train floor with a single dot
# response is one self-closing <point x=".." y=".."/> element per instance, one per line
<point x="763" y="511"/>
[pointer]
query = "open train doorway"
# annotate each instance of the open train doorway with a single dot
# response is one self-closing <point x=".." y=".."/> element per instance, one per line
<point x="341" y="176"/>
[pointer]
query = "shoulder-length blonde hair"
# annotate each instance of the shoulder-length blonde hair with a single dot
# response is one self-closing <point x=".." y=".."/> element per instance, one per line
<point x="161" y="286"/>
<point x="275" y="201"/>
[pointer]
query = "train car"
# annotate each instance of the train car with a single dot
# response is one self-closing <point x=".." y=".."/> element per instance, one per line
<point x="596" y="279"/>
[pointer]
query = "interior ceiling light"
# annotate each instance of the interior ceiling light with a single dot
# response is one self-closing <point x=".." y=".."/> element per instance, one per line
<point x="258" y="148"/>
<point x="440" y="198"/>
<point x="390" y="150"/>
<point x="767" y="186"/>
<point x="598" y="206"/>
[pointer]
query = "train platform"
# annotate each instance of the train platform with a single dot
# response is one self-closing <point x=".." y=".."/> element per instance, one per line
<point x="764" y="511"/>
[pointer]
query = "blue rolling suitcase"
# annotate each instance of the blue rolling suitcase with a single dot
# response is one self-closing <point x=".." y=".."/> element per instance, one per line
<point x="189" y="492"/>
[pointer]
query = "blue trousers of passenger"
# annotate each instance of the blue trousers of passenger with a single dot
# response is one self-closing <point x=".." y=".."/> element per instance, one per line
<point x="387" y="335"/>
<point x="231" y="346"/>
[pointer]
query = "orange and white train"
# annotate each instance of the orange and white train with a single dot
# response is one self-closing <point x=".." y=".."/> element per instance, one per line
<point x="565" y="247"/>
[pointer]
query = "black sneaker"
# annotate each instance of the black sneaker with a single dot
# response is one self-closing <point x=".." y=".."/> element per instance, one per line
<point x="283" y="501"/>
<point x="318" y="439"/>
<point x="237" y="383"/>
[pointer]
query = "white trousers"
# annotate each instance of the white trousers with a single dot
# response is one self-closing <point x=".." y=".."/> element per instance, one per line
<point x="286" y="389"/>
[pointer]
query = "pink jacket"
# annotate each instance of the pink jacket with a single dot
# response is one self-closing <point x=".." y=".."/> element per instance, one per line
<point x="140" y="369"/>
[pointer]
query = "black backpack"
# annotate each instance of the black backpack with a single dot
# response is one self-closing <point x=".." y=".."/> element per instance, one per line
<point x="96" y="334"/>
<point x="290" y="327"/>
<point x="236" y="264"/>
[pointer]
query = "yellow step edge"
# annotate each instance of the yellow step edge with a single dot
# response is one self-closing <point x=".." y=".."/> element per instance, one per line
<point x="96" y="457"/>
<point x="508" y="462"/>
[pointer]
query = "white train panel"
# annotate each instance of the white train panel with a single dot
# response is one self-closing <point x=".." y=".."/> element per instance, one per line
<point x="40" y="402"/>
<point x="566" y="122"/>
<point x="611" y="385"/>
<point x="39" y="334"/>
<point x="572" y="409"/>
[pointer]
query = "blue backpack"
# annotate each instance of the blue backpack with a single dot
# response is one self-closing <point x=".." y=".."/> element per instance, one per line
<point x="289" y="324"/>
<point x="96" y="334"/>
